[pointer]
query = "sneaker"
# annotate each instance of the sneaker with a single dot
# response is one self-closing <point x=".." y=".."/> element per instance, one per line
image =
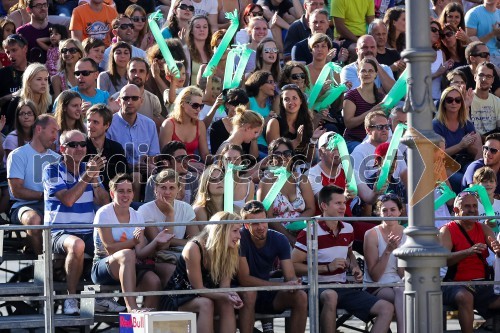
<point x="71" y="307"/>
<point x="108" y="305"/>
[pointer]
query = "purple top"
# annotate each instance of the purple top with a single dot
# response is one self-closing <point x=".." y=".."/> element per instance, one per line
<point x="35" y="53"/>
<point x="358" y="133"/>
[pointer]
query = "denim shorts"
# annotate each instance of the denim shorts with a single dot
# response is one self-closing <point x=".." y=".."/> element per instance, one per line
<point x="101" y="273"/>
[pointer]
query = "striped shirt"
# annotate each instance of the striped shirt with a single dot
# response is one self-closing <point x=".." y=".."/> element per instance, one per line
<point x="56" y="178"/>
<point x="330" y="247"/>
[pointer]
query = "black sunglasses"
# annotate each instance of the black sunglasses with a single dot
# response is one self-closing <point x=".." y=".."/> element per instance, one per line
<point x="298" y="76"/>
<point x="128" y="98"/>
<point x="481" y="54"/>
<point x="447" y="34"/>
<point x="285" y="153"/>
<point x="74" y="144"/>
<point x="381" y="127"/>
<point x="450" y="100"/>
<point x="71" y="50"/>
<point x="434" y="29"/>
<point x="137" y="19"/>
<point x="197" y="105"/>
<point x="125" y="26"/>
<point x="183" y="6"/>
<point x="491" y="150"/>
<point x="234" y="102"/>
<point x="255" y="14"/>
<point x="84" y="73"/>
<point x="388" y="196"/>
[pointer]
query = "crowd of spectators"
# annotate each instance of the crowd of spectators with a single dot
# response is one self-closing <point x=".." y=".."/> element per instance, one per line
<point x="97" y="129"/>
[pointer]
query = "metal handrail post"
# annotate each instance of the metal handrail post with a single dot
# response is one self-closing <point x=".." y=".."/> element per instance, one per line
<point x="312" y="263"/>
<point x="48" y="284"/>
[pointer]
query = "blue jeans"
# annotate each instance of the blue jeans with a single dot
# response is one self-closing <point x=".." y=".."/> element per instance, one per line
<point x="66" y="8"/>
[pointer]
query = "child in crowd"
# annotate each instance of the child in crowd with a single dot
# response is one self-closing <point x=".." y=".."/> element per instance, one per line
<point x="50" y="44"/>
<point x="176" y="85"/>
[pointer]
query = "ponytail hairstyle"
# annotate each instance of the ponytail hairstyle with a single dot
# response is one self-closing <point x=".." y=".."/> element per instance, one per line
<point x="246" y="117"/>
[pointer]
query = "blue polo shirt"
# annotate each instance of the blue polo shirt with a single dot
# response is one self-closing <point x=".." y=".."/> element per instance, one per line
<point x="101" y="96"/>
<point x="139" y="139"/>
<point x="56" y="177"/>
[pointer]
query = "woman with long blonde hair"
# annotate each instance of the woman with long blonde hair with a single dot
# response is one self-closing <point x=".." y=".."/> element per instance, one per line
<point x="71" y="50"/>
<point x="210" y="197"/>
<point x="184" y="124"/>
<point x="452" y="122"/>
<point x="209" y="261"/>
<point x="35" y="87"/>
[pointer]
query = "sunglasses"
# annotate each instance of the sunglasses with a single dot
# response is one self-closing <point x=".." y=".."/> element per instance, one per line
<point x="138" y="19"/>
<point x="481" y="54"/>
<point x="40" y="5"/>
<point x="381" y="127"/>
<point x="197" y="106"/>
<point x="255" y="14"/>
<point x="217" y="179"/>
<point x="448" y="34"/>
<point x="271" y="50"/>
<point x="128" y="98"/>
<point x="388" y="196"/>
<point x="125" y="26"/>
<point x="84" y="73"/>
<point x="489" y="149"/>
<point x="298" y="76"/>
<point x="71" y="50"/>
<point x="286" y="153"/>
<point x="74" y="144"/>
<point x="434" y="30"/>
<point x="450" y="100"/>
<point x="183" y="6"/>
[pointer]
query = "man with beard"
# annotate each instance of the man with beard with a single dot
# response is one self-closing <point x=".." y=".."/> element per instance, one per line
<point x="99" y="119"/>
<point x="468" y="241"/>
<point x="491" y="158"/>
<point x="71" y="189"/>
<point x="123" y="31"/>
<point x="259" y="248"/>
<point x="38" y="27"/>
<point x="366" y="47"/>
<point x="137" y="135"/>
<point x="485" y="108"/>
<point x="138" y="73"/>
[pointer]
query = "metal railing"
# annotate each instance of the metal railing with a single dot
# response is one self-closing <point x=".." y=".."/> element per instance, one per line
<point x="312" y="259"/>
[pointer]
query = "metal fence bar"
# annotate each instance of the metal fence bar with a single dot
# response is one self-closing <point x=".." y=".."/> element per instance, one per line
<point x="48" y="281"/>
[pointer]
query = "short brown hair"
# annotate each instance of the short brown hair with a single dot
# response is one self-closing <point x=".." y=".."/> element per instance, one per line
<point x="252" y="207"/>
<point x="119" y="178"/>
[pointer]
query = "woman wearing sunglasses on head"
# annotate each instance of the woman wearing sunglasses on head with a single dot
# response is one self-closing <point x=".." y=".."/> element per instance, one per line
<point x="178" y="21"/>
<point x="267" y="57"/>
<point x="381" y="264"/>
<point x="210" y="197"/>
<point x="184" y="125"/>
<point x="295" y="198"/>
<point x="461" y="140"/>
<point x="143" y="38"/>
<point x="71" y="51"/>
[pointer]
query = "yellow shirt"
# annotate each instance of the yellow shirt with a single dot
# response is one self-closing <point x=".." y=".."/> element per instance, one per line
<point x="354" y="13"/>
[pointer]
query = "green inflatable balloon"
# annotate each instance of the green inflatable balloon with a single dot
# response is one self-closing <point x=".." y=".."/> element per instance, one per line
<point x="397" y="92"/>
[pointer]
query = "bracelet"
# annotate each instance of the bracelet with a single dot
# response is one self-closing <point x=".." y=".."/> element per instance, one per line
<point x="313" y="141"/>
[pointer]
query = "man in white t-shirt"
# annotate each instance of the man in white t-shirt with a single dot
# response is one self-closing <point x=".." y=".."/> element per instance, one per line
<point x="485" y="108"/>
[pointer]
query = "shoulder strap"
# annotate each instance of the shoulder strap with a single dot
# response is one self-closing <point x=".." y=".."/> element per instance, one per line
<point x="466" y="235"/>
<point x="201" y="250"/>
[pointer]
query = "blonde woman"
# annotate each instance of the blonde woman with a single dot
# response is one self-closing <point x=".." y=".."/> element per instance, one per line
<point x="184" y="124"/>
<point x="71" y="50"/>
<point x="35" y="87"/>
<point x="246" y="128"/>
<point x="209" y="261"/>
<point x="210" y="197"/>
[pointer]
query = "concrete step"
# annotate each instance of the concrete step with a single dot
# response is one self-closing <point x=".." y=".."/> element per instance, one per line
<point x="21" y="288"/>
<point x="38" y="320"/>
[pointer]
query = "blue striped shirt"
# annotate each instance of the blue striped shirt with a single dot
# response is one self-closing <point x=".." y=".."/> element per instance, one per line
<point x="56" y="178"/>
